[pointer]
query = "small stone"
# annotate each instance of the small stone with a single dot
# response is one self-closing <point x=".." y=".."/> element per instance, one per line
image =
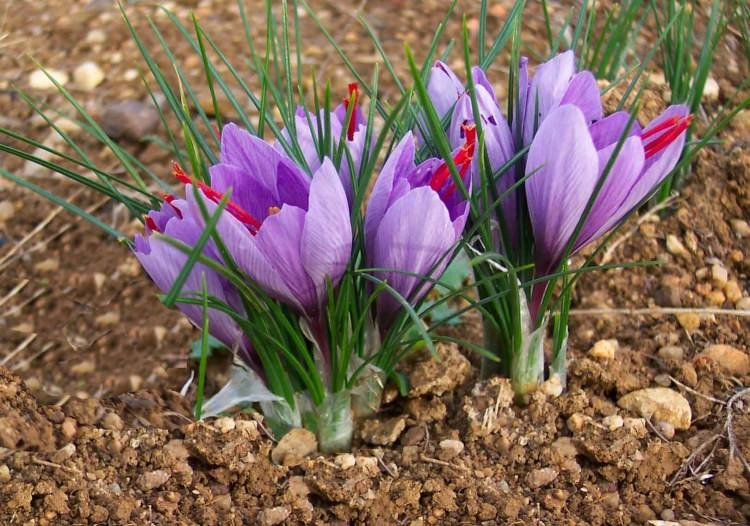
<point x="613" y="422"/>
<point x="719" y="275"/>
<point x="676" y="248"/>
<point x="129" y="119"/>
<point x="731" y="360"/>
<point x="48" y="265"/>
<point x="113" y="422"/>
<point x="135" y="382"/>
<point x="741" y="227"/>
<point x="369" y="465"/>
<point x="88" y="76"/>
<point x="224" y="424"/>
<point x="39" y="79"/>
<point x="130" y="75"/>
<point x="689" y="374"/>
<point x="552" y="387"/>
<point x="665" y="429"/>
<point x="576" y="421"/>
<point x="108" y="319"/>
<point x="297" y="444"/>
<point x="177" y="450"/>
<point x="345" y="460"/>
<point x="383" y="432"/>
<point x="160" y="333"/>
<point x="733" y="291"/>
<point x="153" y="479"/>
<point x="716" y="298"/>
<point x="83" y="368"/>
<point x="4" y="473"/>
<point x="541" y="477"/>
<point x="667" y="514"/>
<point x="659" y="404"/>
<point x="657" y="522"/>
<point x="96" y="36"/>
<point x="273" y="516"/>
<point x="663" y="380"/>
<point x="743" y="304"/>
<point x="604" y="350"/>
<point x="690" y="321"/>
<point x="69" y="428"/>
<point x="450" y="449"/>
<point x="672" y="353"/>
<point x="711" y="90"/>
<point x="64" y="453"/>
<point x="7" y="210"/>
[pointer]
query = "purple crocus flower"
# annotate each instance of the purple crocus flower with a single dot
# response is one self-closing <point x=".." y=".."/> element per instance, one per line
<point x="567" y="157"/>
<point x="444" y="88"/>
<point x="555" y="82"/>
<point x="287" y="232"/>
<point x="414" y="217"/>
<point x="163" y="263"/>
<point x="306" y="133"/>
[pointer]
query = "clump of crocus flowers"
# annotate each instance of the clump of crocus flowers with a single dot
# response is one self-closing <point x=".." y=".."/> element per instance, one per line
<point x="578" y="175"/>
<point x="288" y="234"/>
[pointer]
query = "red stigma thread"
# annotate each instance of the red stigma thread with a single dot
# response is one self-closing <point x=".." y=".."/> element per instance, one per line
<point x="237" y="211"/>
<point x="169" y="199"/>
<point x="462" y="159"/>
<point x="352" y="99"/>
<point x="664" y="134"/>
<point x="151" y="224"/>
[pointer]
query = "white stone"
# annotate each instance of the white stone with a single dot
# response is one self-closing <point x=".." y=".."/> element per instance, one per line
<point x="39" y="80"/>
<point x="711" y="90"/>
<point x="88" y="75"/>
<point x="659" y="404"/>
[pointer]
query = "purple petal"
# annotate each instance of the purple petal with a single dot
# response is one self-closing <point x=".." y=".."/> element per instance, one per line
<point x="253" y="155"/>
<point x="608" y="210"/>
<point x="280" y="240"/>
<point x="565" y="166"/>
<point x="608" y="130"/>
<point x="248" y="193"/>
<point x="547" y="88"/>
<point x="444" y="88"/>
<point x="480" y="79"/>
<point x="584" y="93"/>
<point x="415" y="233"/>
<point x="400" y="163"/>
<point x="658" y="167"/>
<point x="326" y="242"/>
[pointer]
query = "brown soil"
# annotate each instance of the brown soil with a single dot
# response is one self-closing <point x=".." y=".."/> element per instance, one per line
<point x="97" y="432"/>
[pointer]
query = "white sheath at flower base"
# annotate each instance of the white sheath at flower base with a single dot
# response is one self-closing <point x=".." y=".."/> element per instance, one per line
<point x="243" y="388"/>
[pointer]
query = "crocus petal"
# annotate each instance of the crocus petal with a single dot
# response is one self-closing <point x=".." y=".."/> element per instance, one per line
<point x="253" y="155"/>
<point x="444" y="88"/>
<point x="413" y="236"/>
<point x="400" y="162"/>
<point x="280" y="240"/>
<point x="657" y="168"/>
<point x="582" y="91"/>
<point x="480" y="79"/>
<point x="564" y="164"/>
<point x="247" y="192"/>
<point x="242" y="246"/>
<point x="608" y="130"/>
<point x="327" y="234"/>
<point x="608" y="210"/>
<point x="546" y="89"/>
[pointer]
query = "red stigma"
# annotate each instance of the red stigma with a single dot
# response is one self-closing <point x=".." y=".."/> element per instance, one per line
<point x="664" y="134"/>
<point x="214" y="195"/>
<point x="351" y="99"/>
<point x="169" y="199"/>
<point x="462" y="159"/>
<point x="151" y="224"/>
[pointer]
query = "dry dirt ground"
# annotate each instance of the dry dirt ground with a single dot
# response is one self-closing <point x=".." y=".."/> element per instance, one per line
<point x="93" y="429"/>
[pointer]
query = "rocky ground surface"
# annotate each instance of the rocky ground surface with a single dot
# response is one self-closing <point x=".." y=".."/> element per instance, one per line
<point x="653" y="429"/>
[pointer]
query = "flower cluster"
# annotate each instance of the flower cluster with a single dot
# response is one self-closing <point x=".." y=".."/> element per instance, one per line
<point x="582" y="172"/>
<point x="291" y="235"/>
